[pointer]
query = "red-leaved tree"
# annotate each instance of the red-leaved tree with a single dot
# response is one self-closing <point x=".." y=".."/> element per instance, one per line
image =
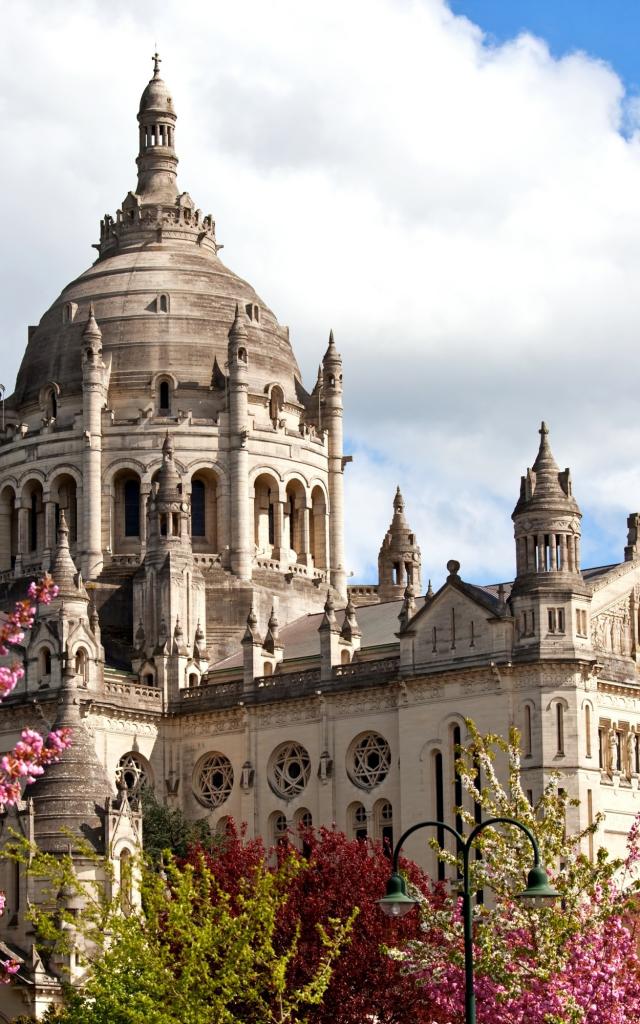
<point x="337" y="875"/>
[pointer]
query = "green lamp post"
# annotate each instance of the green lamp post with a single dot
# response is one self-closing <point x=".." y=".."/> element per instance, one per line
<point x="396" y="902"/>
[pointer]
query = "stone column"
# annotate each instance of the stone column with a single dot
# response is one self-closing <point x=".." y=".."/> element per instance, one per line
<point x="23" y="534"/>
<point x="94" y="395"/>
<point x="304" y="556"/>
<point x="554" y="553"/>
<point x="278" y="529"/>
<point x="571" y="555"/>
<point x="576" y="549"/>
<point x="541" y="558"/>
<point x="144" y="498"/>
<point x="49" y="531"/>
<point x="563" y="552"/>
<point x="332" y="394"/>
<point x="238" y="452"/>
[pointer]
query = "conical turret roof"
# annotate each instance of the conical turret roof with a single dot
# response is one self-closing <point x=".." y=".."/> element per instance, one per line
<point x="545" y="485"/>
<point x="71" y="794"/>
<point x="64" y="572"/>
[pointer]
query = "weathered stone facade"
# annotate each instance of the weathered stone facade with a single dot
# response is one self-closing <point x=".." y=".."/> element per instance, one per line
<point x="160" y="436"/>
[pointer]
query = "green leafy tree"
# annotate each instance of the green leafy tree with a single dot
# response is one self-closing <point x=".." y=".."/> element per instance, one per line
<point x="167" y="829"/>
<point x="189" y="954"/>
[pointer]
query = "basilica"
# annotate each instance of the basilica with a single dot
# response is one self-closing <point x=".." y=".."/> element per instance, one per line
<point x="163" y="458"/>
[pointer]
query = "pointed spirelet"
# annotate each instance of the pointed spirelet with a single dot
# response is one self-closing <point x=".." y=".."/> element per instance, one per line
<point x="429" y="591"/>
<point x="274" y="624"/>
<point x="238" y="328"/>
<point x="63" y="569"/>
<point x="331" y="356"/>
<point x="251" y="632"/>
<point x="91" y="328"/>
<point x="329" y="617"/>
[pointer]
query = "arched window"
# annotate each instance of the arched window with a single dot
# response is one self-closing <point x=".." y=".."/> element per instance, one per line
<point x="383" y="814"/>
<point x="126" y="882"/>
<point x="164" y="397"/>
<point x="279" y="830"/>
<point x="559" y="729"/>
<point x="438" y="781"/>
<point x="457" y="781"/>
<point x="587" y="728"/>
<point x="162" y="303"/>
<point x="45" y="662"/>
<point x="81" y="663"/>
<point x="526" y="738"/>
<point x="198" y="508"/>
<point x="358" y="822"/>
<point x="132" y="508"/>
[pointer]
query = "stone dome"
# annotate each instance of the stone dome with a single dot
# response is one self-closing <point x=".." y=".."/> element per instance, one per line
<point x="162" y="296"/>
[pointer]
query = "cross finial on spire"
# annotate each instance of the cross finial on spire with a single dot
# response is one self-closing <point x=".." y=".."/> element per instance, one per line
<point x="156" y="64"/>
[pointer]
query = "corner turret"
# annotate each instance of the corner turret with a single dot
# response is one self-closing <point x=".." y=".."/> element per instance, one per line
<point x="550" y="600"/>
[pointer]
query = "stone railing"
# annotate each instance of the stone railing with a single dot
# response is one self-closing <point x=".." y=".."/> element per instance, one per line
<point x="206" y="559"/>
<point x="130" y="559"/>
<point x="133" y="690"/>
<point x="358" y="669"/>
<point x="213" y="692"/>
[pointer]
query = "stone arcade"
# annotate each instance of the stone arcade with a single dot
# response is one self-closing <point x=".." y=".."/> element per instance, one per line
<point x="162" y="456"/>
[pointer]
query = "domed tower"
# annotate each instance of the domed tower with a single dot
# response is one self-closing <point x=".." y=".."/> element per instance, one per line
<point x="549" y="598"/>
<point x="399" y="560"/>
<point x="158" y="334"/>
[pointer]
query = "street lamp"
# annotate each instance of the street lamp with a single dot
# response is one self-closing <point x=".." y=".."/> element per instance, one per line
<point x="397" y="903"/>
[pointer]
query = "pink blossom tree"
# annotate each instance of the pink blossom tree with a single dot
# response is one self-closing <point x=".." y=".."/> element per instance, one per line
<point x="575" y="962"/>
<point x="32" y="752"/>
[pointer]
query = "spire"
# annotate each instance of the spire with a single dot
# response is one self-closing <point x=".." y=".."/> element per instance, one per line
<point x="272" y="638"/>
<point x="331" y="355"/>
<point x="350" y="627"/>
<point x="398" y="502"/>
<point x="63" y="569"/>
<point x="329" y="619"/>
<point x="91" y="329"/>
<point x="238" y="328"/>
<point x="429" y="593"/>
<point x="251" y="635"/>
<point x="157" y="160"/>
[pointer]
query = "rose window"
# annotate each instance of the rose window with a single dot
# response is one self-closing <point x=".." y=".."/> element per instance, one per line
<point x="133" y="770"/>
<point x="213" y="780"/>
<point x="370" y="760"/>
<point x="290" y="770"/>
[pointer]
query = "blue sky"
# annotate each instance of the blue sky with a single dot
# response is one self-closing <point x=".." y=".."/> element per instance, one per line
<point x="608" y="29"/>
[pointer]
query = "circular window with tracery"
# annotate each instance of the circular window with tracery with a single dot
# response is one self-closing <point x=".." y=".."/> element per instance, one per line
<point x="290" y="769"/>
<point x="213" y="779"/>
<point x="133" y="770"/>
<point x="369" y="760"/>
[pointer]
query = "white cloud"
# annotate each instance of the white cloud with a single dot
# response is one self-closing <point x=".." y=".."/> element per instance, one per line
<point x="466" y="216"/>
